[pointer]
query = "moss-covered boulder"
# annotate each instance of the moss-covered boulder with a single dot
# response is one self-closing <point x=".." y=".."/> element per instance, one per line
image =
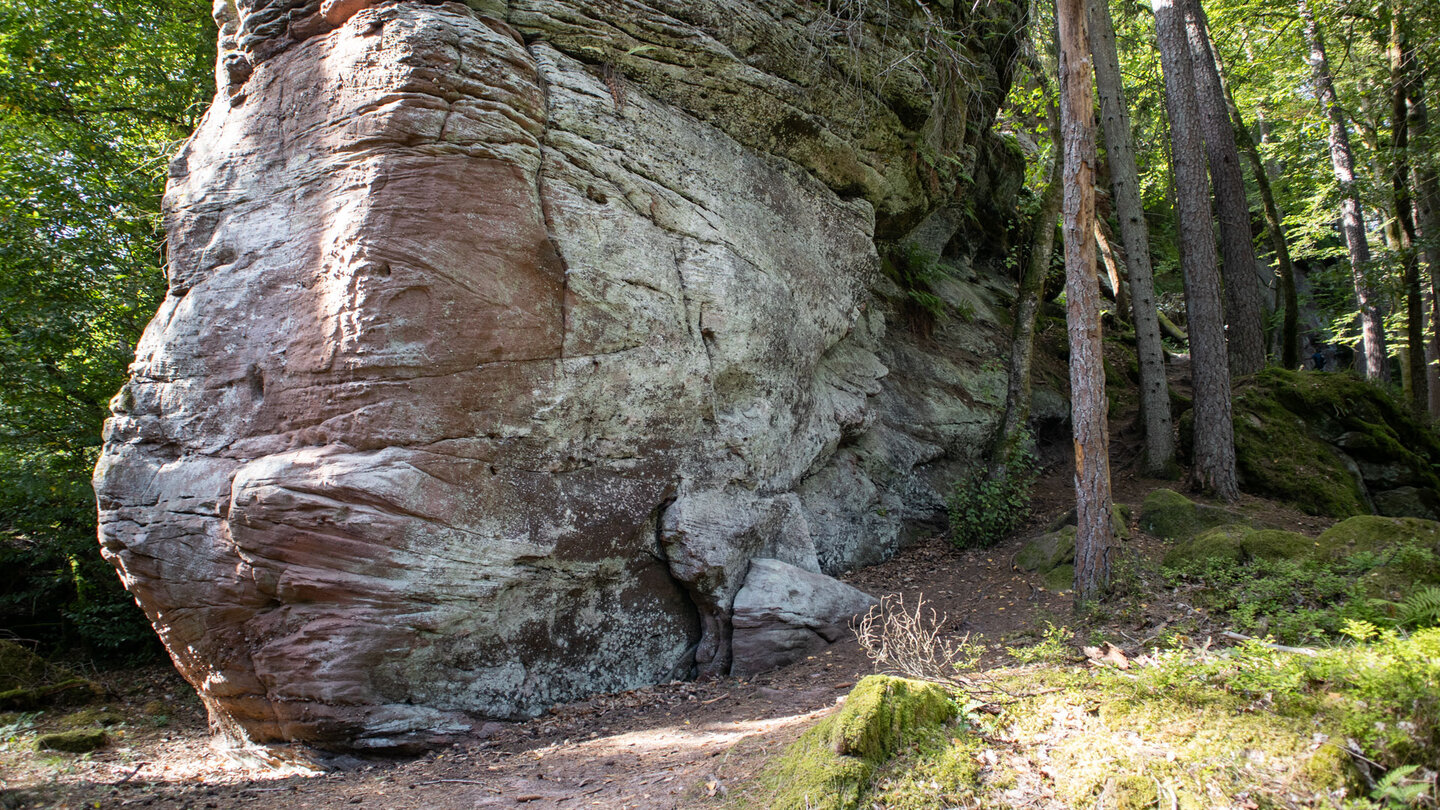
<point x="28" y="681"/>
<point x="1374" y="533"/>
<point x="1333" y="444"/>
<point x="830" y="766"/>
<point x="1044" y="552"/>
<point x="1238" y="542"/>
<point x="882" y="711"/>
<point x="1061" y="578"/>
<point x="21" y="668"/>
<point x="1276" y="544"/>
<point x="1221" y="542"/>
<point x="91" y="717"/>
<point x="1170" y="515"/>
<point x="75" y="741"/>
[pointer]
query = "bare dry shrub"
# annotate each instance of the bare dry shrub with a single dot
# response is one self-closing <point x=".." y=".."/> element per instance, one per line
<point x="907" y="641"/>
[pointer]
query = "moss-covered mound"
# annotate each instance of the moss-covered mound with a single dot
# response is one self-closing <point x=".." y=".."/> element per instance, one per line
<point x="830" y="767"/>
<point x="76" y="741"/>
<point x="1332" y="444"/>
<point x="1168" y="514"/>
<point x="28" y="681"/>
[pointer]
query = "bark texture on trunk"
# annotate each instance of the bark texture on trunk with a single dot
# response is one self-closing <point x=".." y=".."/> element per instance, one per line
<point x="1274" y="226"/>
<point x="1427" y="207"/>
<point x="1243" y="309"/>
<point x="1402" y="60"/>
<point x="1082" y="300"/>
<point x="1130" y="214"/>
<point x="1213" y="467"/>
<point x="1351" y="221"/>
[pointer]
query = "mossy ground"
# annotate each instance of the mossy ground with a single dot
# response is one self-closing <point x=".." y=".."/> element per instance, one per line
<point x="1186" y="723"/>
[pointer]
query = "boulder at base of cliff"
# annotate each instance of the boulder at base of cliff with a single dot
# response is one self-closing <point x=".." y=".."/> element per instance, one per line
<point x="784" y="613"/>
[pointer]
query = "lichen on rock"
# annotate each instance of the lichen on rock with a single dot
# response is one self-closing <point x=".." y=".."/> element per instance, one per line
<point x="502" y="337"/>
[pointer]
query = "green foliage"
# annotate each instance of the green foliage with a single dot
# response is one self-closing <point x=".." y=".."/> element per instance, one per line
<point x="1420" y="609"/>
<point x="93" y="98"/>
<point x="1053" y="648"/>
<point x="917" y="271"/>
<point x="1314" y="599"/>
<point x="987" y="506"/>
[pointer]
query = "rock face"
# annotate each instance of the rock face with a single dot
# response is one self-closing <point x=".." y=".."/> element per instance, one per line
<point x="501" y="338"/>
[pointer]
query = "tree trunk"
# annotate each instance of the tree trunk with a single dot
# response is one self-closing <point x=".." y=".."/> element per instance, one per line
<point x="1214" y="445"/>
<point x="1114" y="273"/>
<point x="1402" y="60"/>
<point x="1082" y="302"/>
<point x="1351" y="222"/>
<point x="1243" y="310"/>
<point x="1274" y="225"/>
<point x="1130" y="214"/>
<point x="1427" y="205"/>
<point x="1027" y="305"/>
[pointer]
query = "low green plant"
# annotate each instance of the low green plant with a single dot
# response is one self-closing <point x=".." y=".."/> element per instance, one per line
<point x="917" y="271"/>
<point x="1402" y="787"/>
<point x="1310" y="600"/>
<point x="1053" y="647"/>
<point x="1421" y="608"/>
<point x="988" y="505"/>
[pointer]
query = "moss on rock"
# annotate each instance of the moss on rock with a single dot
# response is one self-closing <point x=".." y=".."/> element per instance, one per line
<point x="1276" y="544"/>
<point x="881" y="710"/>
<point x="1317" y="440"/>
<point x="1047" y="551"/>
<point x="77" y="741"/>
<point x="1061" y="578"/>
<point x="831" y="765"/>
<point x="1168" y="514"/>
<point x="1377" y="534"/>
<point x="1219" y="543"/>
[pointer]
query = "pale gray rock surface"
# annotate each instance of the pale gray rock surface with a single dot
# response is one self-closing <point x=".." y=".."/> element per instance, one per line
<point x="784" y="613"/>
<point x="502" y="338"/>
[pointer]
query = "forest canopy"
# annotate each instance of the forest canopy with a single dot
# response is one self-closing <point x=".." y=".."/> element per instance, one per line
<point x="94" y="98"/>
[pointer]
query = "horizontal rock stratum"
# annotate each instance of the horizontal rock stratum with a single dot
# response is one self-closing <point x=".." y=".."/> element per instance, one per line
<point x="503" y="338"/>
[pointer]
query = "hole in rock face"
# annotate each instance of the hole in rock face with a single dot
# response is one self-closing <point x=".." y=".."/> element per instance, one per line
<point x="255" y="380"/>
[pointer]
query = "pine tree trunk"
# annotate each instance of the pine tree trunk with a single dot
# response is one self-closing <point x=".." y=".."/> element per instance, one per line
<point x="1274" y="226"/>
<point x="1351" y="221"/>
<point x="1125" y="183"/>
<point x="1082" y="301"/>
<point x="1114" y="272"/>
<point x="1402" y="60"/>
<point x="1214" y="445"/>
<point x="1243" y="310"/>
<point x="1027" y="306"/>
<point x="1427" y="205"/>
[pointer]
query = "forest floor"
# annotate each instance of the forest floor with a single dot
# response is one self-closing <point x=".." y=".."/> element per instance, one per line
<point x="667" y="746"/>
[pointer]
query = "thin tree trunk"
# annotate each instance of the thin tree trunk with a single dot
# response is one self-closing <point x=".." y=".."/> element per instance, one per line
<point x="1351" y="222"/>
<point x="1113" y="273"/>
<point x="1093" y="509"/>
<point x="1401" y="66"/>
<point x="1027" y="305"/>
<point x="1274" y="226"/>
<point x="1427" y="205"/>
<point x="1243" y="310"/>
<point x="1214" y="445"/>
<point x="1130" y="214"/>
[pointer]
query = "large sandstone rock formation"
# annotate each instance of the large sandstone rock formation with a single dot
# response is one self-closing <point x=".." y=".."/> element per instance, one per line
<point x="502" y="337"/>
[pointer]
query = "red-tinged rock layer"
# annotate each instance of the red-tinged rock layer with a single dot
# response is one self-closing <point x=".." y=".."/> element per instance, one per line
<point x="491" y="361"/>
